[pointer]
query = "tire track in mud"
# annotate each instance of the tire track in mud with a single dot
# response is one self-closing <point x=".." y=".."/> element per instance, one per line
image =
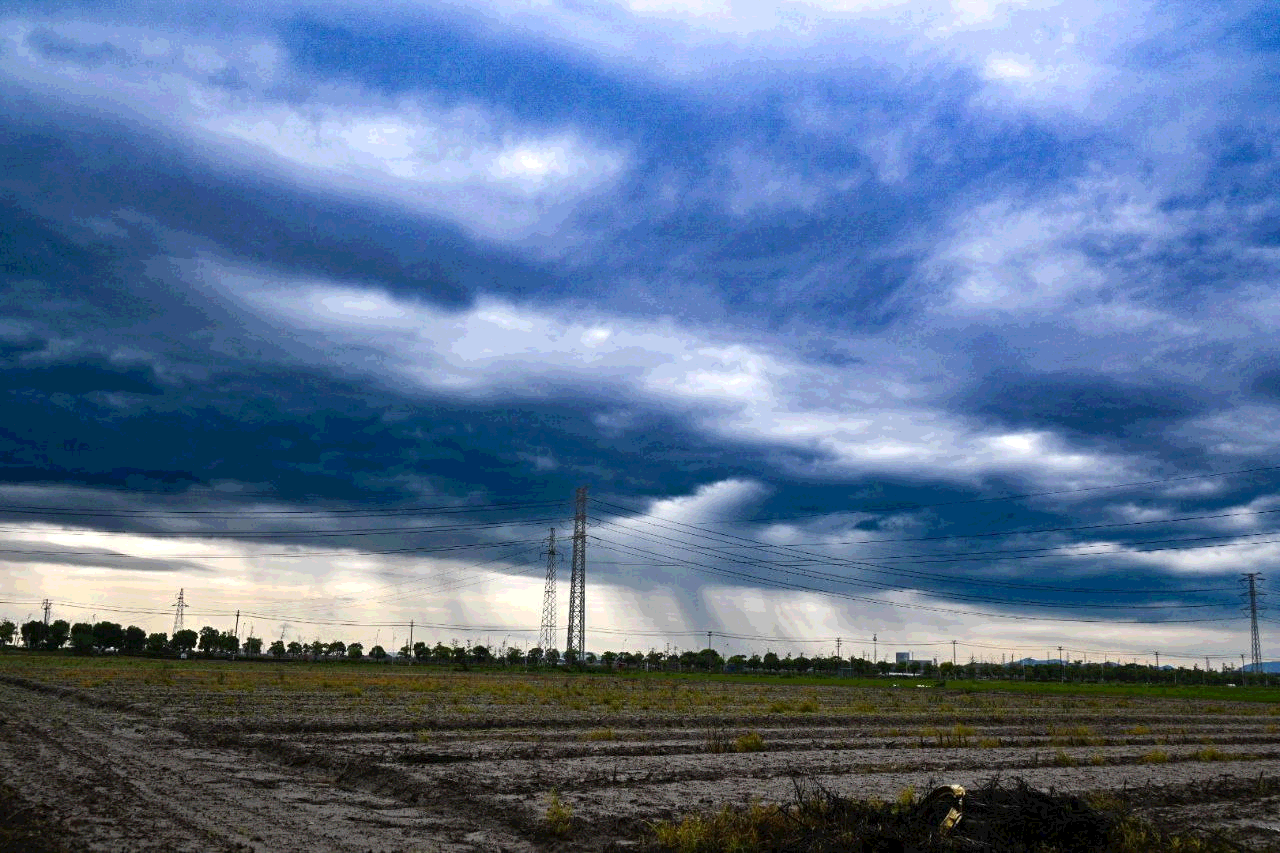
<point x="122" y="784"/>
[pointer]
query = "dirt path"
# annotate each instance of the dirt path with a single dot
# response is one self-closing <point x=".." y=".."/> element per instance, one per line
<point x="119" y="782"/>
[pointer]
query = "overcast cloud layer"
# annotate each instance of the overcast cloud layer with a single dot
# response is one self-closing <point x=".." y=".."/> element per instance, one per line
<point x="966" y="312"/>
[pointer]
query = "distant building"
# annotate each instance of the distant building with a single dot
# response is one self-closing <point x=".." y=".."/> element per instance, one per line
<point x="902" y="657"/>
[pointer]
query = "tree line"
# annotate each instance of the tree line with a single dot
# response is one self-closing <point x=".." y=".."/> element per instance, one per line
<point x="109" y="637"/>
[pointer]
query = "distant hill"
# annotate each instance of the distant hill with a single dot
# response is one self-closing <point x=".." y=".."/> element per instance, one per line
<point x="1267" y="666"/>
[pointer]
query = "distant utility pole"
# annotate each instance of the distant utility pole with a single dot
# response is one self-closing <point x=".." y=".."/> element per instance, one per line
<point x="179" y="606"/>
<point x="837" y="647"/>
<point x="1256" y="646"/>
<point x="411" y="640"/>
<point x="547" y="637"/>
<point x="1063" y="659"/>
<point x="237" y="631"/>
<point x="577" y="639"/>
<point x="709" y="640"/>
<point x="953" y="653"/>
<point x="47" y="605"/>
<point x="875" y="649"/>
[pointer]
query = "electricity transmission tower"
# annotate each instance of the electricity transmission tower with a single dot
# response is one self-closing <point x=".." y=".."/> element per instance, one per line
<point x="1252" y="579"/>
<point x="47" y="605"/>
<point x="578" y="577"/>
<point x="547" y="638"/>
<point x="179" y="606"/>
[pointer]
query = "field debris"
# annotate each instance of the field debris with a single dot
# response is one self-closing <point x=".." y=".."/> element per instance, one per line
<point x="998" y="817"/>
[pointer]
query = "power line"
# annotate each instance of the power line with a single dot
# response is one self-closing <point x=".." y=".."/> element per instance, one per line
<point x="1067" y="529"/>
<point x="895" y="507"/>
<point x="861" y="565"/>
<point x="705" y="569"/>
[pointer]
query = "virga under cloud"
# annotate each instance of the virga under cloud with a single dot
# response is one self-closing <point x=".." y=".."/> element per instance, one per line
<point x="855" y="317"/>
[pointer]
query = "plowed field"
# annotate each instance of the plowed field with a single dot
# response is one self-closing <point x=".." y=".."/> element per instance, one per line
<point x="193" y="755"/>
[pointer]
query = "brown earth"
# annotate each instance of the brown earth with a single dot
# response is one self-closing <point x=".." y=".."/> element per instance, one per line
<point x="210" y="757"/>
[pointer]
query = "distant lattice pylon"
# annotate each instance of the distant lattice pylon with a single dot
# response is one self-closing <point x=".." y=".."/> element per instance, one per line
<point x="547" y="637"/>
<point x="178" y="606"/>
<point x="576" y="640"/>
<point x="1256" y="644"/>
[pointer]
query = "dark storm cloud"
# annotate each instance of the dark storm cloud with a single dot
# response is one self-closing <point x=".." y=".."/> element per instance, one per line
<point x="35" y="551"/>
<point x="1091" y="406"/>
<point x="816" y="215"/>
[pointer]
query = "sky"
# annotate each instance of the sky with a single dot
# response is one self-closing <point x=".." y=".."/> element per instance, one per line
<point x="858" y="319"/>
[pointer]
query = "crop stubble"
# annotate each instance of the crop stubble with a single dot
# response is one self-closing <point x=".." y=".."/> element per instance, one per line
<point x="152" y="755"/>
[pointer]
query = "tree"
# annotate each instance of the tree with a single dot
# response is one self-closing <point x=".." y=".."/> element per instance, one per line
<point x="135" y="640"/>
<point x="209" y="639"/>
<point x="535" y="656"/>
<point x="551" y="657"/>
<point x="378" y="653"/>
<point x="157" y="643"/>
<point x="654" y="659"/>
<point x="82" y="639"/>
<point x="421" y="651"/>
<point x="185" y="640"/>
<point x="481" y="654"/>
<point x="570" y="657"/>
<point x="441" y="653"/>
<point x="7" y="630"/>
<point x="754" y="662"/>
<point x="59" y="633"/>
<point x="108" y="635"/>
<point x="460" y="656"/>
<point x="337" y="648"/>
<point x="252" y="646"/>
<point x="771" y="661"/>
<point x="514" y="656"/>
<point x="277" y="649"/>
<point x="355" y="651"/>
<point x="33" y="633"/>
<point x="318" y="649"/>
<point x="609" y="659"/>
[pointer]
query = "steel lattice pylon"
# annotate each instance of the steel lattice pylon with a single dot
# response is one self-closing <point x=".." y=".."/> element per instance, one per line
<point x="1252" y="578"/>
<point x="547" y="638"/>
<point x="576" y="639"/>
<point x="179" y="606"/>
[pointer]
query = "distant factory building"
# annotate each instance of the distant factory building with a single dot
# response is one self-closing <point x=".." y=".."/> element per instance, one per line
<point x="902" y="657"/>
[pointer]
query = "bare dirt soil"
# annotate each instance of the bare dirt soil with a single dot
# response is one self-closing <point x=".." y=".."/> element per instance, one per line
<point x="203" y="756"/>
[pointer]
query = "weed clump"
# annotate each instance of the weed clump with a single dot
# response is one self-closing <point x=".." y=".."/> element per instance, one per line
<point x="996" y="818"/>
<point x="559" y="816"/>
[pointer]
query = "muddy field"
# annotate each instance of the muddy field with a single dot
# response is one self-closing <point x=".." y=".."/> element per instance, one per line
<point x="111" y="755"/>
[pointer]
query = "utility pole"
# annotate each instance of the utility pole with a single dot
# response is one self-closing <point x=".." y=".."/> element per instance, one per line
<point x="47" y="605"/>
<point x="237" y="631"/>
<point x="179" y="606"/>
<point x="953" y="654"/>
<point x="837" y="647"/>
<point x="875" y="649"/>
<point x="1256" y="645"/>
<point x="1063" y="659"/>
<point x="410" y="641"/>
<point x="547" y="637"/>
<point x="709" y="640"/>
<point x="577" y="639"/>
